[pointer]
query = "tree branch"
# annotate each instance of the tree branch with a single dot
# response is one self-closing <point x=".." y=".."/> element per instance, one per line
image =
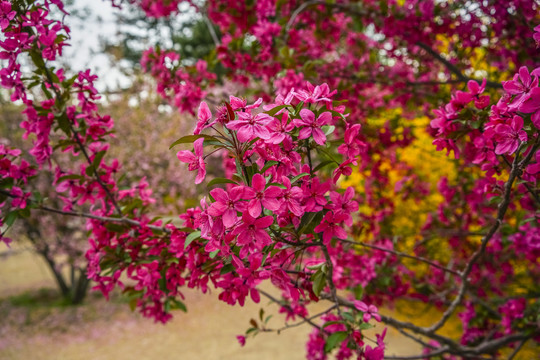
<point x="401" y="254"/>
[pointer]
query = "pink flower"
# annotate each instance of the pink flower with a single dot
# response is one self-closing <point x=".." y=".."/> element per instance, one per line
<point x="509" y="136"/>
<point x="520" y="85"/>
<point x="314" y="193"/>
<point x="352" y="146"/>
<point x="376" y="353"/>
<point x="532" y="105"/>
<point x="252" y="231"/>
<point x="369" y="311"/>
<point x="344" y="204"/>
<point x="290" y="197"/>
<point x="227" y="204"/>
<point x="249" y="127"/>
<point x="241" y="104"/>
<point x="475" y="90"/>
<point x="261" y="197"/>
<point x="314" y="94"/>
<point x="241" y="339"/>
<point x="280" y="129"/>
<point x="330" y="227"/>
<point x="6" y="15"/>
<point x="343" y="169"/>
<point x="311" y="126"/>
<point x="195" y="161"/>
<point x="535" y="168"/>
<point x="203" y="115"/>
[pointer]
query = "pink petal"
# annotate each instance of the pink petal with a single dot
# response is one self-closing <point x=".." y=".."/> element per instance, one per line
<point x="219" y="195"/>
<point x="229" y="218"/>
<point x="254" y="208"/>
<point x="360" y="305"/>
<point x="246" y="133"/>
<point x="272" y="192"/>
<point x="186" y="156"/>
<point x="264" y="222"/>
<point x="204" y="112"/>
<point x="304" y="133"/>
<point x="324" y="118"/>
<point x="201" y="174"/>
<point x="272" y="204"/>
<point x="319" y="136"/>
<point x="198" y="147"/>
<point x="258" y="182"/>
<point x="307" y="115"/>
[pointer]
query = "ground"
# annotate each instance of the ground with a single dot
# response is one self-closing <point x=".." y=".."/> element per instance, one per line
<point x="35" y="326"/>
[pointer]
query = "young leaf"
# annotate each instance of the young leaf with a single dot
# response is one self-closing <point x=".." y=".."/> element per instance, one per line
<point x="334" y="340"/>
<point x="319" y="282"/>
<point x="275" y="110"/>
<point x="191" y="138"/>
<point x="321" y="165"/>
<point x="294" y="179"/>
<point x="177" y="304"/>
<point x="268" y="165"/>
<point x="192" y="236"/>
<point x="221" y="181"/>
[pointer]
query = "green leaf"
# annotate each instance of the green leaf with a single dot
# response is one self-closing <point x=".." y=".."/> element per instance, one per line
<point x="321" y="165"/>
<point x="275" y="110"/>
<point x="334" y="340"/>
<point x="226" y="269"/>
<point x="98" y="158"/>
<point x="315" y="267"/>
<point x="133" y="304"/>
<point x="294" y="179"/>
<point x="328" y="129"/>
<point x="192" y="236"/>
<point x="332" y="323"/>
<point x="348" y="316"/>
<point x="191" y="138"/>
<point x="319" y="282"/>
<point x="281" y="186"/>
<point x="177" y="304"/>
<point x="70" y="177"/>
<point x="309" y="224"/>
<point x="358" y="292"/>
<point x="299" y="107"/>
<point x="63" y="123"/>
<point x="335" y="113"/>
<point x="11" y="217"/>
<point x="268" y="165"/>
<point x="366" y="326"/>
<point x="90" y="170"/>
<point x="220" y="180"/>
<point x="37" y="59"/>
<point x="213" y="254"/>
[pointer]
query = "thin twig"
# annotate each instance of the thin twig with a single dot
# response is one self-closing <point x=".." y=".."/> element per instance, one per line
<point x="517" y="349"/>
<point x="503" y="206"/>
<point x="330" y="278"/>
<point x="305" y="321"/>
<point x="400" y="254"/>
<point x="452" y="68"/>
<point x="103" y="218"/>
<point x="280" y="303"/>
